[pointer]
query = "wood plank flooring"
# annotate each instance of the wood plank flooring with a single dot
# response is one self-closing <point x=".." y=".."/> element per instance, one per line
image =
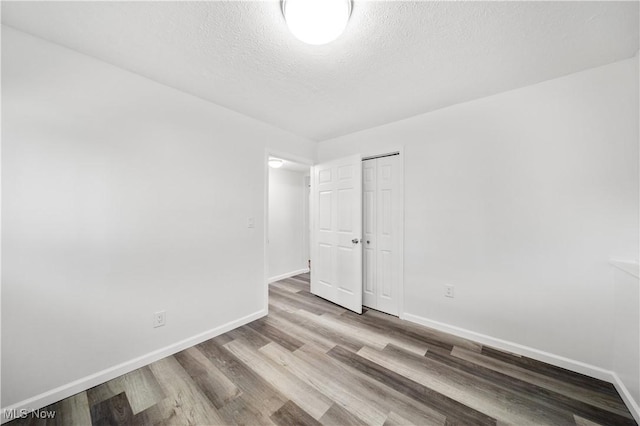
<point x="310" y="362"/>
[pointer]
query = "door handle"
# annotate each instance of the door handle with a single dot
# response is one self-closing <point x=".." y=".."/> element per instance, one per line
<point x="355" y="241"/>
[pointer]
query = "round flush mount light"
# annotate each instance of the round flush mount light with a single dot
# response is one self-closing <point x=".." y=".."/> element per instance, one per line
<point x="275" y="163"/>
<point x="316" y="21"/>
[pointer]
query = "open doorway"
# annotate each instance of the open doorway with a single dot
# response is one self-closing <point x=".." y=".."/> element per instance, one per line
<point x="287" y="219"/>
<point x="356" y="243"/>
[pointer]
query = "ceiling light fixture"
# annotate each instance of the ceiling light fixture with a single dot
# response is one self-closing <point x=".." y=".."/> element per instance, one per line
<point x="316" y="21"/>
<point x="275" y="163"/>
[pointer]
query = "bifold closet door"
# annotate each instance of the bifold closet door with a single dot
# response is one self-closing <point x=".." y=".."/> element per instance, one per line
<point x="382" y="212"/>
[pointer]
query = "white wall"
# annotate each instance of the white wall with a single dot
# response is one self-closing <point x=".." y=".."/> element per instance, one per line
<point x="287" y="227"/>
<point x="519" y="200"/>
<point x="121" y="197"/>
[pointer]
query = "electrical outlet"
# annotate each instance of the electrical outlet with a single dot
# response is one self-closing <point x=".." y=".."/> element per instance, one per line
<point x="448" y="291"/>
<point x="251" y="223"/>
<point x="159" y="319"/>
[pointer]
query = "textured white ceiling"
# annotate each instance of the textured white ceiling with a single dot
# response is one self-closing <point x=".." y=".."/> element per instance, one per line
<point x="395" y="60"/>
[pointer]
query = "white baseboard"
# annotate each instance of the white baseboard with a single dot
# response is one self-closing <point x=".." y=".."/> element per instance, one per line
<point x="549" y="358"/>
<point x="516" y="348"/>
<point x="632" y="405"/>
<point x="46" y="398"/>
<point x="287" y="275"/>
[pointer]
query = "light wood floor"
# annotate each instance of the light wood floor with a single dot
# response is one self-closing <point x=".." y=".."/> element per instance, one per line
<point x="311" y="362"/>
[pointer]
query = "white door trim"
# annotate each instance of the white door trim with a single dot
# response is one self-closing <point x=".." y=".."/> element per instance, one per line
<point x="401" y="314"/>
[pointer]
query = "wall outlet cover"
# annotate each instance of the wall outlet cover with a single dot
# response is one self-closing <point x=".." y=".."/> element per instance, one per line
<point x="448" y="291"/>
<point x="159" y="319"/>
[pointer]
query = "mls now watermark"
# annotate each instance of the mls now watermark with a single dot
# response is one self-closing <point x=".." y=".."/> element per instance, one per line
<point x="10" y="414"/>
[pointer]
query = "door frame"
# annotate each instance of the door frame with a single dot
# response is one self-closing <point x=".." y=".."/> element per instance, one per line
<point x="400" y="273"/>
<point x="269" y="152"/>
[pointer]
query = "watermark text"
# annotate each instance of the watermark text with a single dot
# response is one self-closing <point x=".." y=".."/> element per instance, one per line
<point x="23" y="413"/>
